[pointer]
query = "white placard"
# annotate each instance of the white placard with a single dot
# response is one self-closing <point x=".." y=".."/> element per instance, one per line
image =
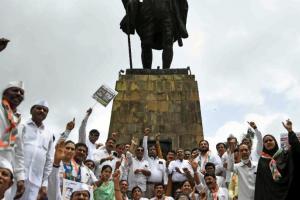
<point x="70" y="186"/>
<point x="104" y="95"/>
<point x="284" y="140"/>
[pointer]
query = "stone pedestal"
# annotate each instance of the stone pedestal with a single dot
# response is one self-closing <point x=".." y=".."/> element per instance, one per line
<point x="167" y="101"/>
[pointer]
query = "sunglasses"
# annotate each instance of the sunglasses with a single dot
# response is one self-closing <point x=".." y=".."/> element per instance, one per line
<point x="140" y="150"/>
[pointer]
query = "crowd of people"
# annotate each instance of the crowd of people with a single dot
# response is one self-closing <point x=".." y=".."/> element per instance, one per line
<point x="36" y="165"/>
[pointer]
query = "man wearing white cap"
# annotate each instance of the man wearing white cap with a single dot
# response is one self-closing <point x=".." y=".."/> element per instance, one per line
<point x="38" y="151"/>
<point x="10" y="143"/>
<point x="81" y="193"/>
<point x="6" y="176"/>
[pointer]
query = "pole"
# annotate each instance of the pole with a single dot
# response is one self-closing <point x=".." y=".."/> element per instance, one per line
<point x="128" y="34"/>
<point x="129" y="50"/>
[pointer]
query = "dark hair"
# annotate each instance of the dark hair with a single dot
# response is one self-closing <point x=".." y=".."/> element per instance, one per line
<point x="210" y="164"/>
<point x="134" y="188"/>
<point x="95" y="131"/>
<point x="118" y="145"/>
<point x="158" y="184"/>
<point x="105" y="167"/>
<point x="172" y="151"/>
<point x="195" y="149"/>
<point x="112" y="139"/>
<point x="184" y="195"/>
<point x="210" y="174"/>
<point x="123" y="180"/>
<point x="69" y="141"/>
<point x="231" y="137"/>
<point x="221" y="143"/>
<point x="82" y="145"/>
<point x="185" y="182"/>
<point x="88" y="160"/>
<point x="247" y="138"/>
<point x="140" y="147"/>
<point x="204" y="141"/>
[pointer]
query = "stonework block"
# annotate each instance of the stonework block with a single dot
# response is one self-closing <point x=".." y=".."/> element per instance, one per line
<point x="167" y="103"/>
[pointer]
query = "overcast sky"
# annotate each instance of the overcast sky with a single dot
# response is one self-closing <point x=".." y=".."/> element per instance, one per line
<point x="244" y="54"/>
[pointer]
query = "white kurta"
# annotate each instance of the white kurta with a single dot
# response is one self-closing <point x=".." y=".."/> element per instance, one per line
<point x="83" y="138"/>
<point x="38" y="152"/>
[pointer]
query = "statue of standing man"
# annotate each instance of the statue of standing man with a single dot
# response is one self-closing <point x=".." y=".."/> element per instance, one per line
<point x="159" y="23"/>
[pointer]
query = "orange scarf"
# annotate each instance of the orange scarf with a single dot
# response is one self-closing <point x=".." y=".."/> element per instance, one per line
<point x="8" y="138"/>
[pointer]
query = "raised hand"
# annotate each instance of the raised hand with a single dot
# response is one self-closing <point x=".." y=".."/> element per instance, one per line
<point x="252" y="125"/>
<point x="116" y="175"/>
<point x="118" y="164"/>
<point x="194" y="165"/>
<point x="70" y="125"/>
<point x="288" y="125"/>
<point x="89" y="111"/>
<point x="147" y="131"/>
<point x="59" y="152"/>
<point x="134" y="141"/>
<point x="157" y="136"/>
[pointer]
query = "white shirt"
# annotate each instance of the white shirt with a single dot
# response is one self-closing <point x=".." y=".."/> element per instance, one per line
<point x="137" y="179"/>
<point x="158" y="166"/>
<point x="176" y="176"/>
<point x="256" y="151"/>
<point x="210" y="158"/>
<point x="164" y="198"/>
<point x="100" y="154"/>
<point x="222" y="194"/>
<point x="83" y="138"/>
<point x="38" y="153"/>
<point x="246" y="177"/>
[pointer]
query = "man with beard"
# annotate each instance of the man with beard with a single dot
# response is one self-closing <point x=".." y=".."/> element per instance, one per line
<point x="93" y="136"/>
<point x="158" y="166"/>
<point x="214" y="191"/>
<point x="160" y="193"/>
<point x="206" y="156"/>
<point x="38" y="150"/>
<point x="11" y="147"/>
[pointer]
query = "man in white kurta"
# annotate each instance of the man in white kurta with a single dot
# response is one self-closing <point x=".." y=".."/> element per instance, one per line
<point x="38" y="152"/>
<point x="11" y="147"/>
<point x="91" y="140"/>
<point x="158" y="166"/>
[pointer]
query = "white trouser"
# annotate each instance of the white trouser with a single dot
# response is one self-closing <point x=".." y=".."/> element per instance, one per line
<point x="31" y="191"/>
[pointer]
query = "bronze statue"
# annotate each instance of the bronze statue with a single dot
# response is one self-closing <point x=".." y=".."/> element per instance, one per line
<point x="3" y="43"/>
<point x="158" y="23"/>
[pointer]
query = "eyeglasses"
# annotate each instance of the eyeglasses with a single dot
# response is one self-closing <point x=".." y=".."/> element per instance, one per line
<point x="140" y="150"/>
